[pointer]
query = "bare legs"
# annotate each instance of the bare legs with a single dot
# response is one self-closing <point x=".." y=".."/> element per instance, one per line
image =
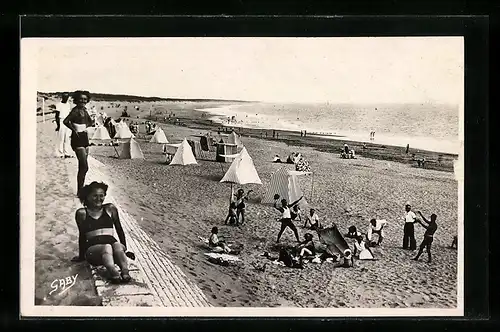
<point x="284" y="225"/>
<point x="83" y="167"/>
<point x="108" y="255"/>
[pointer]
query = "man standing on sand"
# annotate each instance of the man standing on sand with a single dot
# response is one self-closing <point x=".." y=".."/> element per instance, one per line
<point x="409" y="228"/>
<point x="64" y="133"/>
<point x="430" y="229"/>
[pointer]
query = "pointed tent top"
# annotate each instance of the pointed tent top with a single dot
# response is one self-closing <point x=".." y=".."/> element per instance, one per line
<point x="122" y="131"/>
<point x="159" y="137"/>
<point x="184" y="155"/>
<point x="100" y="133"/>
<point x="242" y="170"/>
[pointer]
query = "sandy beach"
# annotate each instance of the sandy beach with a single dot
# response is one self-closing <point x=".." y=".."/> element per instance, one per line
<point x="177" y="204"/>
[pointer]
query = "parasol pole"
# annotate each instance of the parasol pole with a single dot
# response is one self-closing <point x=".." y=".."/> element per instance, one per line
<point x="231" y="197"/>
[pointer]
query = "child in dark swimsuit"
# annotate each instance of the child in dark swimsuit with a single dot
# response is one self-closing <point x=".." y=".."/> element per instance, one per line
<point x="96" y="222"/>
<point x="78" y="120"/>
<point x="232" y="217"/>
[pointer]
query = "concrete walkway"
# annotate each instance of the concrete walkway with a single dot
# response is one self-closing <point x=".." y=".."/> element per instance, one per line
<point x="156" y="280"/>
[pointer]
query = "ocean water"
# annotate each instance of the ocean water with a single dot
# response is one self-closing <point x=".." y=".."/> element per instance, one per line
<point x="423" y="126"/>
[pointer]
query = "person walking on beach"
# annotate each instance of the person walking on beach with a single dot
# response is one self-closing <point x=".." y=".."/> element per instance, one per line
<point x="286" y="216"/>
<point x="430" y="229"/>
<point x="64" y="134"/>
<point x="409" y="228"/>
<point x="96" y="223"/>
<point x="77" y="121"/>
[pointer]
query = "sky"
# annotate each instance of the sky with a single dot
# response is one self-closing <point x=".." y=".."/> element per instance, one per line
<point x="335" y="70"/>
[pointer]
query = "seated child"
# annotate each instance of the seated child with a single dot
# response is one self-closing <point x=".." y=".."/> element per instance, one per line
<point x="277" y="159"/>
<point x="214" y="242"/>
<point x="361" y="251"/>
<point x="232" y="217"/>
<point x="313" y="220"/>
<point x="353" y="232"/>
<point x="306" y="247"/>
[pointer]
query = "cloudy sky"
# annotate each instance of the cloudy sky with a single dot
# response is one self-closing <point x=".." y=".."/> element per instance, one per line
<point x="337" y="70"/>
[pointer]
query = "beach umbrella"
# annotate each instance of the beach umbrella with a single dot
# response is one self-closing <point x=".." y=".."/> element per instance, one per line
<point x="242" y="171"/>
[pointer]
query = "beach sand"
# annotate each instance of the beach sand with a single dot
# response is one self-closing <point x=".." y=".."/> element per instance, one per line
<point x="175" y="205"/>
<point x="56" y="233"/>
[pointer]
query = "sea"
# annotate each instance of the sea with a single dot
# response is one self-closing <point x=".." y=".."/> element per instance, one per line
<point x="432" y="127"/>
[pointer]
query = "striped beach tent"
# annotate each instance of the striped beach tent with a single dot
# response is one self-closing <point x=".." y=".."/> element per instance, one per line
<point x="286" y="184"/>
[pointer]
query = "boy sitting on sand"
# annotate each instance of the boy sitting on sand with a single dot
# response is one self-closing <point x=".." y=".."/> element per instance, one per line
<point x="353" y="233"/>
<point x="313" y="220"/>
<point x="232" y="217"/>
<point x="306" y="247"/>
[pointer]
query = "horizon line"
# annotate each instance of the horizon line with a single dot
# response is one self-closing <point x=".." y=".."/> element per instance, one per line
<point x="104" y="94"/>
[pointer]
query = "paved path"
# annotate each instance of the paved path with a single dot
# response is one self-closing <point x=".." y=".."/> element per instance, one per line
<point x="156" y="280"/>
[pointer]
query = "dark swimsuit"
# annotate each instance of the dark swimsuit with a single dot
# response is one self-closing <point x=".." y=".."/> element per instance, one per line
<point x="92" y="224"/>
<point x="80" y="141"/>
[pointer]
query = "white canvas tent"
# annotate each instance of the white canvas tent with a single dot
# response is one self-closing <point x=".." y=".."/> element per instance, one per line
<point x="159" y="137"/>
<point x="234" y="139"/>
<point x="242" y="170"/>
<point x="131" y="150"/>
<point x="122" y="131"/>
<point x="286" y="184"/>
<point x="183" y="155"/>
<point x="101" y="133"/>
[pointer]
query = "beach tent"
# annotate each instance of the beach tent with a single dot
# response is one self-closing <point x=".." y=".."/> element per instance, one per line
<point x="334" y="241"/>
<point x="286" y="184"/>
<point x="131" y="150"/>
<point x="234" y="139"/>
<point x="242" y="170"/>
<point x="183" y="155"/>
<point x="159" y="137"/>
<point x="101" y="133"/>
<point x="122" y="131"/>
<point x="99" y="119"/>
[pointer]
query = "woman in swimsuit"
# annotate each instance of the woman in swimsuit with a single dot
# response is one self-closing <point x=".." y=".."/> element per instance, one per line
<point x="78" y="120"/>
<point x="240" y="204"/>
<point x="95" y="223"/>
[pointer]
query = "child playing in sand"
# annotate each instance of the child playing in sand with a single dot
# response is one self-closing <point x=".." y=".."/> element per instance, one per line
<point x="313" y="220"/>
<point x="430" y="229"/>
<point x="361" y="251"/>
<point x="214" y="242"/>
<point x="306" y="247"/>
<point x="232" y="217"/>
<point x="353" y="232"/>
<point x="376" y="227"/>
<point x="95" y="223"/>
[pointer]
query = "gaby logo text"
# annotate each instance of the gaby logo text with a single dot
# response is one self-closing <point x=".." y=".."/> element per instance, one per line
<point x="63" y="284"/>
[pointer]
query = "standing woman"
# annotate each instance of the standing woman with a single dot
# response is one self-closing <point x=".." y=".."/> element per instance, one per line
<point x="96" y="222"/>
<point x="77" y="121"/>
